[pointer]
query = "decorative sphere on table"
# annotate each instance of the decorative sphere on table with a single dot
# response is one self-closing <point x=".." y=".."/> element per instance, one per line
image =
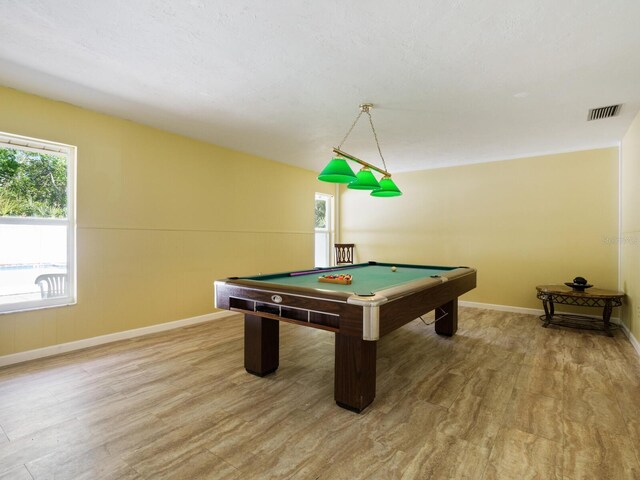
<point x="393" y="269"/>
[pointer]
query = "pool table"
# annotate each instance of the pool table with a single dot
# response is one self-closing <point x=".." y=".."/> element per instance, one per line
<point x="381" y="298"/>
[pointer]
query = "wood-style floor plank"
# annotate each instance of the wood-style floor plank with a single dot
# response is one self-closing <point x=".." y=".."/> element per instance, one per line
<point x="18" y="473"/>
<point x="504" y="398"/>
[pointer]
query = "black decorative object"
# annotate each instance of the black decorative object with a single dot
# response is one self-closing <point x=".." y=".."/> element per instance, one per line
<point x="579" y="284"/>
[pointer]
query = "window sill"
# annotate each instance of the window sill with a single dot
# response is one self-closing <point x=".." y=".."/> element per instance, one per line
<point x="17" y="308"/>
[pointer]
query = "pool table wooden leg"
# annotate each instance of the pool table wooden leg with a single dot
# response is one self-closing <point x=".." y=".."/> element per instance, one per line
<point x="261" y="345"/>
<point x="355" y="372"/>
<point x="448" y="314"/>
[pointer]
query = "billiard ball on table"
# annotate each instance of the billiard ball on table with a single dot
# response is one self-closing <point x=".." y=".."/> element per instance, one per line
<point x="393" y="269"/>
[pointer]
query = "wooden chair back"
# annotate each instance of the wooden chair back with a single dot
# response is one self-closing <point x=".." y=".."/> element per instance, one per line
<point x="344" y="253"/>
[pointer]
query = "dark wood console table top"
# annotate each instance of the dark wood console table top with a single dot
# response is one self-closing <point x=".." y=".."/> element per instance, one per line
<point x="591" y="297"/>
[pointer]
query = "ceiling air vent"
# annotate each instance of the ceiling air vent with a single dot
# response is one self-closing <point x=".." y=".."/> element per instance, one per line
<point x="604" y="112"/>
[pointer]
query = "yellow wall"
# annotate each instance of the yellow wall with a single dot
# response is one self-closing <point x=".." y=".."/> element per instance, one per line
<point x="160" y="217"/>
<point x="520" y="222"/>
<point x="630" y="227"/>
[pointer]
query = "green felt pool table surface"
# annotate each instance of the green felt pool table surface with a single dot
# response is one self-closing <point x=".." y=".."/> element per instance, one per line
<point x="366" y="278"/>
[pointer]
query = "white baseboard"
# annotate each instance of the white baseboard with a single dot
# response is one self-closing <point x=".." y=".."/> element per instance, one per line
<point x="502" y="308"/>
<point x="161" y="327"/>
<point x="527" y="311"/>
<point x="634" y="341"/>
<point x="111" y="337"/>
<point x="535" y="311"/>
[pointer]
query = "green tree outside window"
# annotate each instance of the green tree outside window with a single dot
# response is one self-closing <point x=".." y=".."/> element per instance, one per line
<point x="32" y="184"/>
<point x="321" y="214"/>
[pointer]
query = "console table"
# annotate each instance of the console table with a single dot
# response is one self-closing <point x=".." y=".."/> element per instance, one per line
<point x="592" y="297"/>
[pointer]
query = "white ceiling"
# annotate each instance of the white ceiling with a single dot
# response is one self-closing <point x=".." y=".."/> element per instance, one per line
<point x="453" y="81"/>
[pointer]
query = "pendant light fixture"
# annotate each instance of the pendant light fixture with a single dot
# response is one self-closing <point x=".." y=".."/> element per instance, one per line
<point x="387" y="188"/>
<point x="339" y="171"/>
<point x="364" y="180"/>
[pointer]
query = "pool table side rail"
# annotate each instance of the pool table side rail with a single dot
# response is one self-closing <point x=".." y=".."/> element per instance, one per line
<point x="344" y="312"/>
<point x="261" y="283"/>
<point x="408" y="288"/>
<point x="317" y="270"/>
<point x="278" y="289"/>
<point x="293" y="307"/>
<point x="421" y="301"/>
<point x="430" y="293"/>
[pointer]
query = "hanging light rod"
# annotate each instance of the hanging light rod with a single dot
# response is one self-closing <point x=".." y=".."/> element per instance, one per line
<point x="337" y="151"/>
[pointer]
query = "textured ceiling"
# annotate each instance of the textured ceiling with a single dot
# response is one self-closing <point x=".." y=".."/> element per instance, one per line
<point x="453" y="81"/>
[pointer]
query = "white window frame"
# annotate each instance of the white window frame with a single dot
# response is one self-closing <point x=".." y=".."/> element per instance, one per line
<point x="8" y="140"/>
<point x="329" y="230"/>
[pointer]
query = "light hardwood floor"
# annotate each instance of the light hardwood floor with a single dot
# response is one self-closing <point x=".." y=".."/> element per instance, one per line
<point x="503" y="399"/>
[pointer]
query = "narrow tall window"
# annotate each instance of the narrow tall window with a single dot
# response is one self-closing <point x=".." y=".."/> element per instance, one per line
<point x="324" y="229"/>
<point x="37" y="223"/>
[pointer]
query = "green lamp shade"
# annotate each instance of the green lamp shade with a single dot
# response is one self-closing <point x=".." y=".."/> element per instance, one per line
<point x="387" y="189"/>
<point x="365" y="181"/>
<point x="337" y="171"/>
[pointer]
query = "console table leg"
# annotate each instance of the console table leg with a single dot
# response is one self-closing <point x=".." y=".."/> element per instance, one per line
<point x="548" y="311"/>
<point x="606" y="316"/>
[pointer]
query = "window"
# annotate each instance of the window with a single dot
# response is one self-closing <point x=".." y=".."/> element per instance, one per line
<point x="37" y="223"/>
<point x="324" y="229"/>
